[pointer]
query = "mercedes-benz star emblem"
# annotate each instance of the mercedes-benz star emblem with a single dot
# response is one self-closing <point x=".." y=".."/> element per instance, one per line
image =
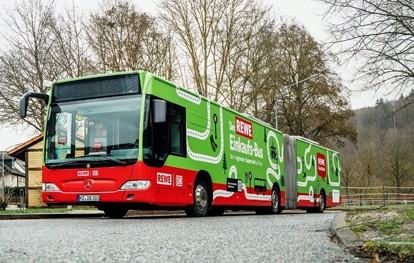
<point x="88" y="184"/>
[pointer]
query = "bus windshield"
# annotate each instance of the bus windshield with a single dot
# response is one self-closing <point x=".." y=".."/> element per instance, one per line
<point x="99" y="132"/>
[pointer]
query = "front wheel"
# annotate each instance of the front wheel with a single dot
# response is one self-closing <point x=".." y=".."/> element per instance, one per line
<point x="201" y="201"/>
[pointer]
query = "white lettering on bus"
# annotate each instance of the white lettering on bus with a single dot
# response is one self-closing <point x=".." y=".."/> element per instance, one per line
<point x="239" y="146"/>
<point x="244" y="128"/>
<point x="165" y="179"/>
<point x="83" y="173"/>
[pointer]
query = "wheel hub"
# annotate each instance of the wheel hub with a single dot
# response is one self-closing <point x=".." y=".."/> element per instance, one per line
<point x="201" y="197"/>
<point x="275" y="201"/>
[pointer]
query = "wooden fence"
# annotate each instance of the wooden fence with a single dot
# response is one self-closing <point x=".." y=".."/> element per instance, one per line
<point x="382" y="195"/>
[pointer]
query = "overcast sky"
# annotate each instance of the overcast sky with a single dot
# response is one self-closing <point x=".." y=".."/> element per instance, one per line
<point x="307" y="12"/>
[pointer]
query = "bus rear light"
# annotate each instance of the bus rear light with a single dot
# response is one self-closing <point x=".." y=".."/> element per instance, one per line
<point x="136" y="185"/>
<point x="49" y="187"/>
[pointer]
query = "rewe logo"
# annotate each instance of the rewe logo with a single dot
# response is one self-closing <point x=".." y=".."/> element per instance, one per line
<point x="321" y="163"/>
<point x="165" y="179"/>
<point x="244" y="128"/>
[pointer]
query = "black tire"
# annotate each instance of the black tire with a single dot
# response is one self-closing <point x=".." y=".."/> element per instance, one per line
<point x="321" y="206"/>
<point x="115" y="213"/>
<point x="275" y="208"/>
<point x="322" y="203"/>
<point x="201" y="200"/>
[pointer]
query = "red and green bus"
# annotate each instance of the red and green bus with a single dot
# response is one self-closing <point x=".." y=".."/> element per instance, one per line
<point x="133" y="140"/>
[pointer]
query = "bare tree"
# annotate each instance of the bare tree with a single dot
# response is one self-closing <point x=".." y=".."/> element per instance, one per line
<point x="380" y="32"/>
<point x="397" y="163"/>
<point x="317" y="108"/>
<point x="251" y="62"/>
<point x="124" y="39"/>
<point x="348" y="174"/>
<point x="236" y="58"/>
<point x="71" y="50"/>
<point x="368" y="163"/>
<point x="28" y="60"/>
<point x="215" y="38"/>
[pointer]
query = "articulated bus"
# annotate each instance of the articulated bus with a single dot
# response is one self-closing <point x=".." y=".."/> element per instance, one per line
<point x="133" y="140"/>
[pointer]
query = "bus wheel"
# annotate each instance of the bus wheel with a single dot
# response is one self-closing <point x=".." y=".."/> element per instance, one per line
<point x="115" y="213"/>
<point x="201" y="200"/>
<point x="321" y="206"/>
<point x="275" y="208"/>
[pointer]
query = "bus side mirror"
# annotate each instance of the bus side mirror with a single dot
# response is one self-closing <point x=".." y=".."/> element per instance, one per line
<point x="25" y="100"/>
<point x="159" y="108"/>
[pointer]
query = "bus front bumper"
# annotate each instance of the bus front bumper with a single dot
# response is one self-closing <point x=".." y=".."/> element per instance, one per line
<point x="120" y="196"/>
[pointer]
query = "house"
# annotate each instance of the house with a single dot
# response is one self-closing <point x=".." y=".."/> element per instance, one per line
<point x="11" y="176"/>
<point x="13" y="173"/>
<point x="30" y="153"/>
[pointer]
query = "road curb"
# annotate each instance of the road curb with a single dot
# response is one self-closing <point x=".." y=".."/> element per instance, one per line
<point x="343" y="234"/>
<point x="86" y="214"/>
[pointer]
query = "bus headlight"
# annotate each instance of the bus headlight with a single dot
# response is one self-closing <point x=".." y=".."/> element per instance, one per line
<point x="136" y="185"/>
<point x="49" y="187"/>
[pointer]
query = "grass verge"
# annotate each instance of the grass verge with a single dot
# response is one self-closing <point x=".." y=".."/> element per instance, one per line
<point x="388" y="231"/>
<point x="35" y="211"/>
<point x="46" y="210"/>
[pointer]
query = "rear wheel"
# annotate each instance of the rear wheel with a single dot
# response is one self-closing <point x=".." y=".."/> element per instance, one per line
<point x="321" y="206"/>
<point x="201" y="200"/>
<point x="275" y="207"/>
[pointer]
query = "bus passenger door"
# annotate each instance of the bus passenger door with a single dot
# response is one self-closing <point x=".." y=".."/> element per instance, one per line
<point x="164" y="150"/>
<point x="162" y="139"/>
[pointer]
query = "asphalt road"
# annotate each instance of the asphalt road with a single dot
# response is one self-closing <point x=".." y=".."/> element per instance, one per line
<point x="288" y="237"/>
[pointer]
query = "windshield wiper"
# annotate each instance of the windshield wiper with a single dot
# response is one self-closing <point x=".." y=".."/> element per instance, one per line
<point x="68" y="163"/>
<point x="114" y="160"/>
<point x="104" y="156"/>
<point x="80" y="161"/>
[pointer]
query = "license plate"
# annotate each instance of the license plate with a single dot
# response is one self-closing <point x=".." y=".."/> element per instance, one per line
<point x="89" y="198"/>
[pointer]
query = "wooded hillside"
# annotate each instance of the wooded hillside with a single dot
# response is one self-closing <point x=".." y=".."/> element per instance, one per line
<point x="384" y="153"/>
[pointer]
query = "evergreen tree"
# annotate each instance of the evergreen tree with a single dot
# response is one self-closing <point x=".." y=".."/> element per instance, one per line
<point x="224" y="163"/>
